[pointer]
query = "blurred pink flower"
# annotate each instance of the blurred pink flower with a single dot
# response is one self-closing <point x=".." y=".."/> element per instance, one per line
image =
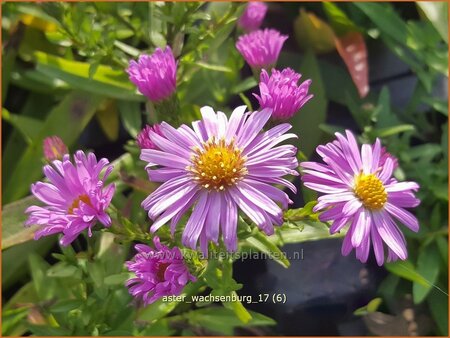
<point x="253" y="16"/>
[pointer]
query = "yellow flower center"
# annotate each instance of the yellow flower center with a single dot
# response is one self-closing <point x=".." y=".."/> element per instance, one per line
<point x="370" y="190"/>
<point x="76" y="203"/>
<point x="218" y="165"/>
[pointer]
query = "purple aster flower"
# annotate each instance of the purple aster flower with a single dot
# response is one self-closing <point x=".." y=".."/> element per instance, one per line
<point x="75" y="197"/>
<point x="155" y="75"/>
<point x="143" y="138"/>
<point x="261" y="48"/>
<point x="220" y="166"/>
<point x="159" y="272"/>
<point x="360" y="190"/>
<point x="281" y="93"/>
<point x="54" y="148"/>
<point x="253" y="16"/>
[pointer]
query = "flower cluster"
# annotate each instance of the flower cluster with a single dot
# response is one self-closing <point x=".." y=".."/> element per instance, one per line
<point x="223" y="166"/>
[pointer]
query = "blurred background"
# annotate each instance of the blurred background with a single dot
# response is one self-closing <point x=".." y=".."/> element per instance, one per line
<point x="379" y="69"/>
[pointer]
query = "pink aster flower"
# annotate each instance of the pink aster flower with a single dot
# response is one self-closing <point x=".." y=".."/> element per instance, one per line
<point x="360" y="191"/>
<point x="75" y="197"/>
<point x="54" y="148"/>
<point x="281" y="93"/>
<point x="218" y="167"/>
<point x="253" y="16"/>
<point x="261" y="48"/>
<point x="159" y="272"/>
<point x="155" y="75"/>
<point x="143" y="138"/>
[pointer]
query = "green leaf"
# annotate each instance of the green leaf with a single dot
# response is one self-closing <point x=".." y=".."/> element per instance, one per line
<point x="239" y="310"/>
<point x="63" y="270"/>
<point x="15" y="259"/>
<point x="372" y="306"/>
<point x="13" y="218"/>
<point x="386" y="19"/>
<point x="222" y="320"/>
<point x="9" y="60"/>
<point x="131" y="117"/>
<point x="29" y="127"/>
<point x="217" y="68"/>
<point x="442" y="244"/>
<point x="406" y="270"/>
<point x="428" y="265"/>
<point x="339" y="21"/>
<point x="117" y="279"/>
<point x="244" y="85"/>
<point x="105" y="81"/>
<point x="160" y="309"/>
<point x="438" y="303"/>
<point x="437" y="13"/>
<point x="64" y="306"/>
<point x="306" y="122"/>
<point x="12" y="319"/>
<point x="301" y="213"/>
<point x="309" y="231"/>
<point x="389" y="131"/>
<point x="75" y="110"/>
<point x="262" y="243"/>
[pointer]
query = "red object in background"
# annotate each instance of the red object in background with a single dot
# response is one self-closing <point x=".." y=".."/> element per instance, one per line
<point x="352" y="49"/>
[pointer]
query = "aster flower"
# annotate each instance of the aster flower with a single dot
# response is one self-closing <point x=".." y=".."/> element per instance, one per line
<point x="261" y="48"/>
<point x="155" y="75"/>
<point x="281" y="93"/>
<point x="75" y="197"/>
<point x="143" y="138"/>
<point x="253" y="16"/>
<point x="54" y="148"/>
<point x="219" y="166"/>
<point x="360" y="191"/>
<point x="159" y="272"/>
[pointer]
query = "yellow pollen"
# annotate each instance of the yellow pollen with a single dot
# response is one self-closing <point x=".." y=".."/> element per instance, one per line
<point x="76" y="203"/>
<point x="217" y="165"/>
<point x="370" y="191"/>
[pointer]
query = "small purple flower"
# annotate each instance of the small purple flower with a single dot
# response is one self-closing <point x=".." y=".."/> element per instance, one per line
<point x="253" y="16"/>
<point x="75" y="197"/>
<point x="261" y="48"/>
<point x="360" y="190"/>
<point x="159" y="272"/>
<point x="155" y="75"/>
<point x="281" y="93"/>
<point x="143" y="138"/>
<point x="219" y="166"/>
<point x="54" y="148"/>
